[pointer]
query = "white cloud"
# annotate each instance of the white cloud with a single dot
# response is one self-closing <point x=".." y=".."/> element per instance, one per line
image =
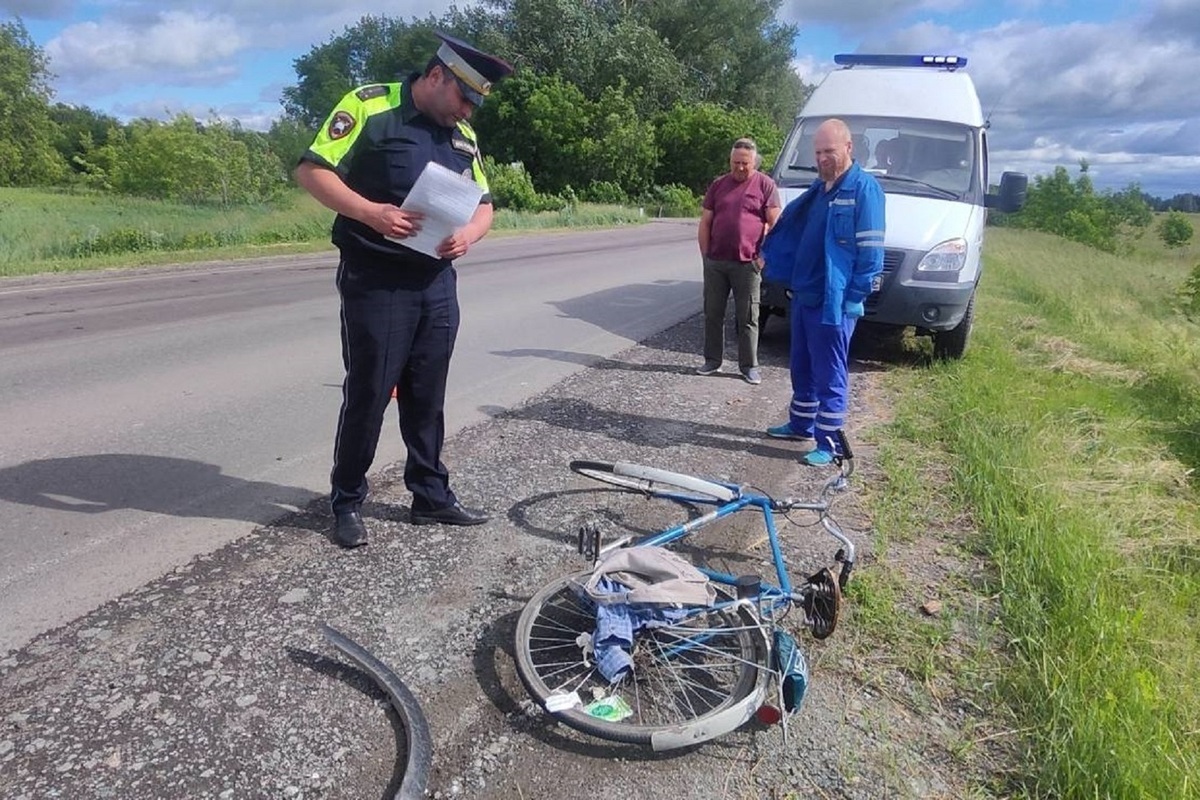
<point x="860" y="15"/>
<point x="176" y="47"/>
<point x="1115" y="94"/>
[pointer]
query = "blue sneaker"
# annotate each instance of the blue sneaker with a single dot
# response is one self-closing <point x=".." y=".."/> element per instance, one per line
<point x="818" y="458"/>
<point x="709" y="368"/>
<point x="752" y="376"/>
<point x="785" y="431"/>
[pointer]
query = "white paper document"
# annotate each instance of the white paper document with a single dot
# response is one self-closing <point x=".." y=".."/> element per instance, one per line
<point x="447" y="199"/>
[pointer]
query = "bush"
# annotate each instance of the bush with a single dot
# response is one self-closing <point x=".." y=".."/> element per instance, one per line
<point x="512" y="188"/>
<point x="606" y="192"/>
<point x="1175" y="230"/>
<point x="672" y="200"/>
<point x="1074" y="210"/>
<point x="118" y="240"/>
<point x="1191" y="294"/>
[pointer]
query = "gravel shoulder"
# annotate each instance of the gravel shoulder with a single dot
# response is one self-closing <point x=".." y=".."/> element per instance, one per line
<point x="216" y="682"/>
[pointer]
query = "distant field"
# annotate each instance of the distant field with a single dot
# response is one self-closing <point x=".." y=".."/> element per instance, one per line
<point x="47" y="231"/>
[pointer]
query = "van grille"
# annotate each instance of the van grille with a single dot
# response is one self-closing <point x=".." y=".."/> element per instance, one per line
<point x="892" y="259"/>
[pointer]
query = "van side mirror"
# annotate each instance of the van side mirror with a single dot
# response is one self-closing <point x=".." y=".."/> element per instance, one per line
<point x="1011" y="197"/>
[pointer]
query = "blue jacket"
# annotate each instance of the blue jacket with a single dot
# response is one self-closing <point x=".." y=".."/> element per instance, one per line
<point x="853" y="241"/>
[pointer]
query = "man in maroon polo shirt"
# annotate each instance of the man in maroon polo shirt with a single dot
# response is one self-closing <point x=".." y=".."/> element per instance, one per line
<point x="739" y="208"/>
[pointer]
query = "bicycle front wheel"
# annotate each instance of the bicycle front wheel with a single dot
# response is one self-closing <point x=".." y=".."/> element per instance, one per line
<point x="690" y="682"/>
<point x="656" y="482"/>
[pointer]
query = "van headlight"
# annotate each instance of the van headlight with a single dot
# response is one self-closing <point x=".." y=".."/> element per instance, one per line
<point x="949" y="256"/>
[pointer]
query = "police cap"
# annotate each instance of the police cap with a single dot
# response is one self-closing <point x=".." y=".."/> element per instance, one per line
<point x="475" y="70"/>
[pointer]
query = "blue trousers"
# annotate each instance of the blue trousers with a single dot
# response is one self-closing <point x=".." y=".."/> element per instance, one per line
<point x="398" y="330"/>
<point x="820" y="374"/>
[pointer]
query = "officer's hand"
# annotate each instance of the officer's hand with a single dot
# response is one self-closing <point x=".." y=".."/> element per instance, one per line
<point x="853" y="309"/>
<point x="395" y="223"/>
<point x="453" y="246"/>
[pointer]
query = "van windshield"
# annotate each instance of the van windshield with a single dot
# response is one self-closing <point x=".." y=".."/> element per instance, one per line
<point x="908" y="156"/>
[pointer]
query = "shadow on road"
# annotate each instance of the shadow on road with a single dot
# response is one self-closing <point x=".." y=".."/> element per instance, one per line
<point x="650" y="431"/>
<point x="610" y="309"/>
<point x="93" y="484"/>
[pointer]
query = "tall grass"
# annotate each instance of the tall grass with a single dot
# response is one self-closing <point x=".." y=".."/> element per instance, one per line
<point x="1072" y="429"/>
<point x="49" y="231"/>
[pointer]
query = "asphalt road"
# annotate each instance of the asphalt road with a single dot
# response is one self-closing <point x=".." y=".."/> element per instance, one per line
<point x="153" y="415"/>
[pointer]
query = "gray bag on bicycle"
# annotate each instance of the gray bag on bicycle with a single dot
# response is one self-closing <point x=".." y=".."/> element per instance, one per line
<point x="653" y="575"/>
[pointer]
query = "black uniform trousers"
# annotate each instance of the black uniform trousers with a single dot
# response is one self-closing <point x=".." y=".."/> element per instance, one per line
<point x="399" y="324"/>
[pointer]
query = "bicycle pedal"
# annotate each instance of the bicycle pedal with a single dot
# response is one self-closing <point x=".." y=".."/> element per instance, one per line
<point x="590" y="541"/>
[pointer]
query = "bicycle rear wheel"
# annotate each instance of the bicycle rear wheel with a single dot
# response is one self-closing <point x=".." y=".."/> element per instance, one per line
<point x="655" y="482"/>
<point x="691" y="681"/>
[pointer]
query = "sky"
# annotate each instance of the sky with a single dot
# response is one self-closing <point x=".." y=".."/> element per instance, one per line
<point x="1062" y="80"/>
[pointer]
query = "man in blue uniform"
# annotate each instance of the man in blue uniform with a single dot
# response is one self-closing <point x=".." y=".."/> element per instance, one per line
<point x="400" y="310"/>
<point x="827" y="248"/>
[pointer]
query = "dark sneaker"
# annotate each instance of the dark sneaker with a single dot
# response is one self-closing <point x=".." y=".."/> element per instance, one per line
<point x="785" y="431"/>
<point x="709" y="368"/>
<point x="752" y="376"/>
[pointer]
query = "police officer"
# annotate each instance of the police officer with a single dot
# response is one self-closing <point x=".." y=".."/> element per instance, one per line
<point x="400" y="312"/>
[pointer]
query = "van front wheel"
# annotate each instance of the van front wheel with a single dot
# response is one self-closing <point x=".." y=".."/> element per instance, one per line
<point x="952" y="344"/>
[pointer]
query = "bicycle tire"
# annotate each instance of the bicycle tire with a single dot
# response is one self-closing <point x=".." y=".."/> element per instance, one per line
<point x="690" y="682"/>
<point x="655" y="482"/>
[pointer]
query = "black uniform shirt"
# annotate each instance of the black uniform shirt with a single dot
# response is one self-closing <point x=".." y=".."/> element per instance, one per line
<point x="378" y="143"/>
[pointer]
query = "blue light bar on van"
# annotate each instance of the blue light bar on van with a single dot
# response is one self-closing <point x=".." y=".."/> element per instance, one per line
<point x="898" y="60"/>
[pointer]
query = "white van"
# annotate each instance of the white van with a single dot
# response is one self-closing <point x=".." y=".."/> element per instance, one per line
<point x="916" y="125"/>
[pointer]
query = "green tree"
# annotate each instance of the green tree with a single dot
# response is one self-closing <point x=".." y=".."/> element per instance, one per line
<point x="695" y="139"/>
<point x="564" y="139"/>
<point x="735" y="52"/>
<point x="591" y="47"/>
<point x="191" y="162"/>
<point x="1175" y="230"/>
<point x="1074" y="210"/>
<point x="27" y="154"/>
<point x="288" y="139"/>
<point x="78" y="130"/>
<point x="376" y="49"/>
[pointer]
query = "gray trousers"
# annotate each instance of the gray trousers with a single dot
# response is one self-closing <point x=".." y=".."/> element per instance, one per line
<point x="719" y="278"/>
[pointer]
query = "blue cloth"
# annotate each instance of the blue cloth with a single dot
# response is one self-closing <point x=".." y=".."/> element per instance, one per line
<point x="616" y="625"/>
<point x="853" y="241"/>
<point x="808" y="272"/>
<point x="820" y="357"/>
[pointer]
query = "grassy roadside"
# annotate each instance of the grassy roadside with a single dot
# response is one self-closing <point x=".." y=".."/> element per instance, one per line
<point x="48" y="231"/>
<point x="1069" y="436"/>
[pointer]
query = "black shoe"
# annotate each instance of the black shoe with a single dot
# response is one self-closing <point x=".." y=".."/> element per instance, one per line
<point x="349" y="530"/>
<point x="455" y="514"/>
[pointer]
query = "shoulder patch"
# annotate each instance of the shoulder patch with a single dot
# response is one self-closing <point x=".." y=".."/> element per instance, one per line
<point x="464" y="145"/>
<point x="340" y="125"/>
<point x="375" y="90"/>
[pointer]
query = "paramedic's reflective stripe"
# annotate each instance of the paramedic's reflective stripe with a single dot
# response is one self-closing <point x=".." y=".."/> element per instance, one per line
<point x="827" y="421"/>
<point x="804" y="409"/>
<point x="842" y="201"/>
<point x="869" y="238"/>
